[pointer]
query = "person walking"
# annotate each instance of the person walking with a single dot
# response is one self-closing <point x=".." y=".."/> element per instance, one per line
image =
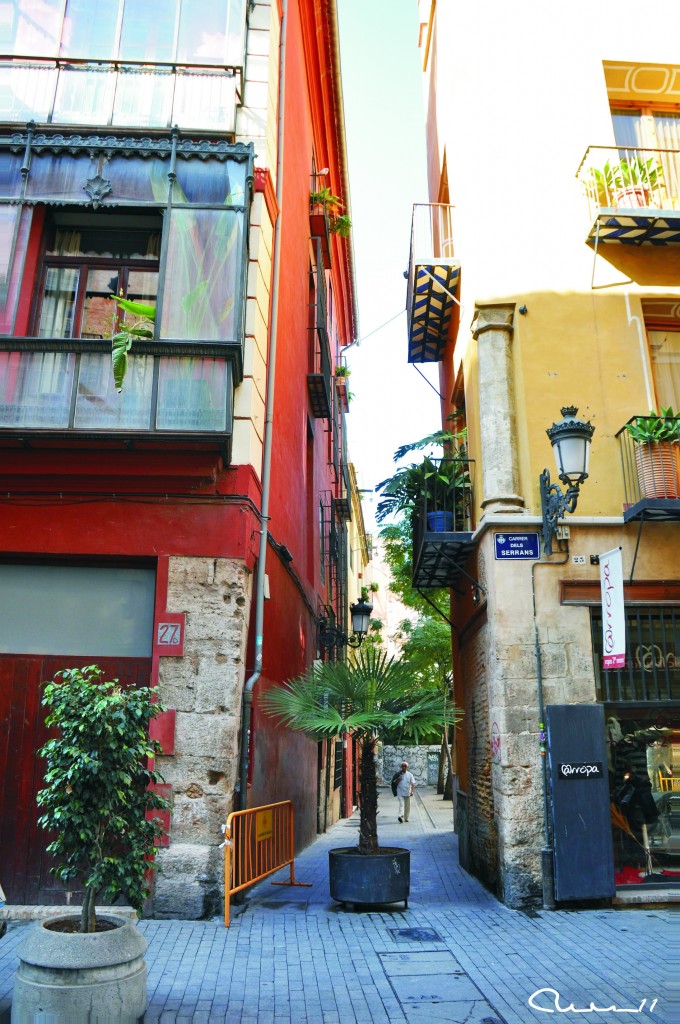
<point x="406" y="785"/>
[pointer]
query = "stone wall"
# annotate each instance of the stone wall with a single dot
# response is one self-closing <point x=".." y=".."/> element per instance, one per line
<point x="205" y="688"/>
<point x="390" y="758"/>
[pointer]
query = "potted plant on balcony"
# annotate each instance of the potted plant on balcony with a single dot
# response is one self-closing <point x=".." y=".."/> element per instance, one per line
<point x="98" y="804"/>
<point x="342" y="374"/>
<point x="442" y="487"/>
<point x="371" y="697"/>
<point x="656" y="438"/>
<point x="629" y="183"/>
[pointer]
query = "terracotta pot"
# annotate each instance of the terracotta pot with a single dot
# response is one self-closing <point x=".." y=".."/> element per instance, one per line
<point x="632" y="196"/>
<point x="657" y="469"/>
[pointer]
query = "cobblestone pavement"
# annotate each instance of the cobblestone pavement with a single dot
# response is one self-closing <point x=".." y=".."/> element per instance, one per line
<point x="456" y="955"/>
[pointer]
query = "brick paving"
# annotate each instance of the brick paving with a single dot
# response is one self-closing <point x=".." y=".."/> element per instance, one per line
<point x="292" y="955"/>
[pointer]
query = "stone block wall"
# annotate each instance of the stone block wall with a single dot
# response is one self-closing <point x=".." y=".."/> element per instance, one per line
<point x="390" y="758"/>
<point x="205" y="688"/>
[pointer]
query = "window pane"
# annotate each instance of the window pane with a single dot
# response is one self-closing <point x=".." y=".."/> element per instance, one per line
<point x="10" y="175"/>
<point x="204" y="265"/>
<point x="58" y="305"/>
<point x="210" y="181"/>
<point x="203" y="32"/>
<point x="84" y="96"/>
<point x="665" y="349"/>
<point x="192" y="394"/>
<point x="143" y="98"/>
<point x="35" y="28"/>
<point x="667" y="127"/>
<point x="78" y="610"/>
<point x="90" y="29"/>
<point x="59" y="176"/>
<point x="204" y="101"/>
<point x="98" y="404"/>
<point x="105" y="241"/>
<point x="627" y="127"/>
<point x="35" y="388"/>
<point x="236" y="32"/>
<point x="144" y="181"/>
<point x="26" y="93"/>
<point x="13" y="245"/>
<point x="143" y="286"/>
<point x="99" y="310"/>
<point x="148" y="32"/>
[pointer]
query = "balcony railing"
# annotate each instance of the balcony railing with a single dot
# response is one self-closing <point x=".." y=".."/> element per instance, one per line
<point x="633" y="194"/>
<point x="319" y="377"/>
<point x="126" y="94"/>
<point x="442" y="525"/>
<point x="55" y="392"/>
<point x="651" y="472"/>
<point x="432" y="282"/>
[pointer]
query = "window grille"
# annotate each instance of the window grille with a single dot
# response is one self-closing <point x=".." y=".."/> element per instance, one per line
<point x="652" y="669"/>
<point x="337" y="773"/>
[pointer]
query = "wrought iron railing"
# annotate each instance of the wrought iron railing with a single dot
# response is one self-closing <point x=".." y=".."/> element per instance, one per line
<point x="445" y="503"/>
<point x="320" y="352"/>
<point x="431" y="238"/>
<point x="650" y="469"/>
<point x="625" y="177"/>
<point x="652" y="669"/>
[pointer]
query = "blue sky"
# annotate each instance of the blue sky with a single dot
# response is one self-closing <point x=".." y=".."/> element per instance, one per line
<point x="386" y="153"/>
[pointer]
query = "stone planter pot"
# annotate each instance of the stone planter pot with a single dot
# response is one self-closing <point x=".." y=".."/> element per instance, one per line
<point x="383" y="877"/>
<point x="66" y="976"/>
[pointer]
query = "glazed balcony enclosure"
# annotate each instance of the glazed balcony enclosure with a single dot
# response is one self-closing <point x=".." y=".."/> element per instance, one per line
<point x="442" y="523"/>
<point x="651" y="468"/>
<point x="433" y="277"/>
<point x="633" y="195"/>
<point x="160" y="222"/>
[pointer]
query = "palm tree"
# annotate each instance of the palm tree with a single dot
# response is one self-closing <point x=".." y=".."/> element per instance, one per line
<point x="369" y="696"/>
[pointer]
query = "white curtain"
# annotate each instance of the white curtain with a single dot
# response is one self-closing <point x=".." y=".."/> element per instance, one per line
<point x="665" y="350"/>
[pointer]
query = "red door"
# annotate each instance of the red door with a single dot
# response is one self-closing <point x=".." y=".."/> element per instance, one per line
<point x="24" y="865"/>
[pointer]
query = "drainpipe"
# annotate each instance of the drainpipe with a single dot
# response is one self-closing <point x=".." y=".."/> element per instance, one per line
<point x="267" y="449"/>
<point x="644" y="355"/>
<point x="547" y="853"/>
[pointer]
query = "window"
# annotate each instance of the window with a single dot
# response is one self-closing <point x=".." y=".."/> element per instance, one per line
<point x="657" y="133"/>
<point x="84" y="265"/>
<point x="652" y="671"/>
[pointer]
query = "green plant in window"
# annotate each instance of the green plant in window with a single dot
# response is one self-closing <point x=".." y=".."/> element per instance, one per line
<point x="340" y="224"/>
<point x="141" y="325"/>
<point x="652" y="429"/>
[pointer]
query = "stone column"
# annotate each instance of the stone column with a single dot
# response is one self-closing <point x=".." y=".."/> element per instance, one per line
<point x="492" y="329"/>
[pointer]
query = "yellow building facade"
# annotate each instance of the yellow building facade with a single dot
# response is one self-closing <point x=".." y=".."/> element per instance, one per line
<point x="545" y="274"/>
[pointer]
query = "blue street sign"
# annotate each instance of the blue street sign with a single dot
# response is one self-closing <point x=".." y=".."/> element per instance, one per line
<point x="516" y="545"/>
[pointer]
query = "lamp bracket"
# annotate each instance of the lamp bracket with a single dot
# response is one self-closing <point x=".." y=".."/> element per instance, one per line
<point x="554" y="504"/>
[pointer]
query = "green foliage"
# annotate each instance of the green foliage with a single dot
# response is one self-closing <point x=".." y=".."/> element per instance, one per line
<point x="340" y="224"/>
<point x="121" y="342"/>
<point x="440" y="481"/>
<point x="663" y="426"/>
<point x="326" y="197"/>
<point x="369" y="696"/>
<point x="97" y="786"/>
<point x="397" y="540"/>
<point x="427" y="649"/>
<point x="637" y="172"/>
<point x="342" y="371"/>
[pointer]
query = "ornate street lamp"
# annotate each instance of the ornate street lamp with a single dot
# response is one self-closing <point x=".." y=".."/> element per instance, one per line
<point x="570" y="439"/>
<point x="333" y="636"/>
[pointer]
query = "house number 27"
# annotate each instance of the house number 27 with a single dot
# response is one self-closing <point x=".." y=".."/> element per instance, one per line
<point x="169" y="634"/>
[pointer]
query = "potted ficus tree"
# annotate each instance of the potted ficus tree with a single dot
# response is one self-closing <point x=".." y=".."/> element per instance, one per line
<point x="98" y="807"/>
<point x="372" y="697"/>
<point x="656" y="438"/>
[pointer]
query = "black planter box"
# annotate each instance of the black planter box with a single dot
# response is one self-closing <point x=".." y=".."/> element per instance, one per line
<point x="383" y="877"/>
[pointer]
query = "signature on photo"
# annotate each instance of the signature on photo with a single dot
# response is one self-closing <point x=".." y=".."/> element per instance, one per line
<point x="550" y="1002"/>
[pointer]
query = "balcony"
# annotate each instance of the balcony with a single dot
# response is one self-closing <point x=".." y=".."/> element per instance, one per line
<point x="56" y="391"/>
<point x="651" y="472"/>
<point x="433" y="278"/>
<point x="319" y="378"/>
<point x="442" y="525"/>
<point x="633" y="195"/>
<point x="129" y="94"/>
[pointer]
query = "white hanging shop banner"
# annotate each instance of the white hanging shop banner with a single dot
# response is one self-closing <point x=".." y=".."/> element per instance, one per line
<point x="613" y="615"/>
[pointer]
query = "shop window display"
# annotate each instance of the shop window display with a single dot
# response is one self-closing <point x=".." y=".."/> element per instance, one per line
<point x="644" y="774"/>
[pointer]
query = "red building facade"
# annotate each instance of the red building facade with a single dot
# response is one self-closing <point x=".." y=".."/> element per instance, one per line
<point x="155" y="158"/>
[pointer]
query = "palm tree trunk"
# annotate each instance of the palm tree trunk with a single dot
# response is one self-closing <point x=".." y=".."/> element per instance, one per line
<point x="368" y="797"/>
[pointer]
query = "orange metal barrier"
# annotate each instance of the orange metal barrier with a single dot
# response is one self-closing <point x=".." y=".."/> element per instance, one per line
<point x="257" y="842"/>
